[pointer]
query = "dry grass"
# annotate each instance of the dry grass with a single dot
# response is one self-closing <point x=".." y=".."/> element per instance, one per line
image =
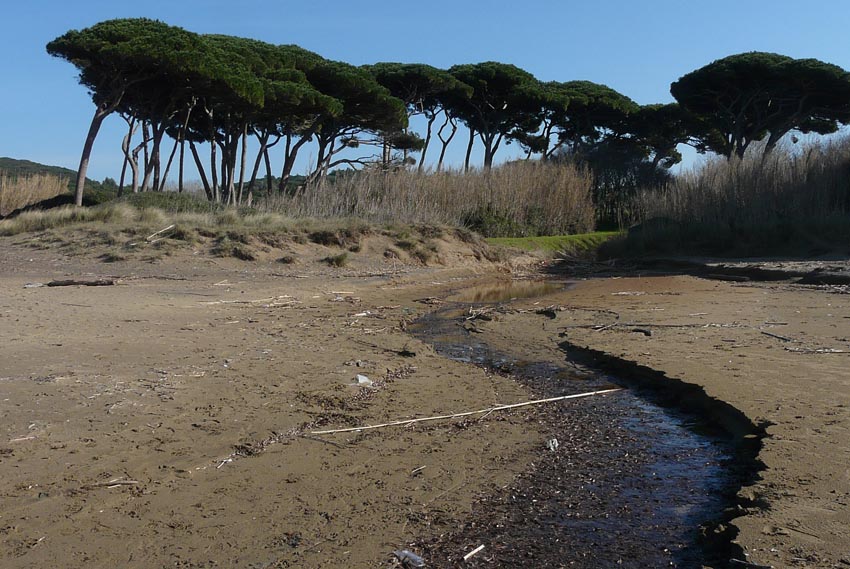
<point x="793" y="198"/>
<point x="17" y="192"/>
<point x="124" y="215"/>
<point x="525" y="198"/>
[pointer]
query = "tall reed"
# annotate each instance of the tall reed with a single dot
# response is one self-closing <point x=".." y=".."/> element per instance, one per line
<point x="521" y="198"/>
<point x="791" y="195"/>
<point x="17" y="192"/>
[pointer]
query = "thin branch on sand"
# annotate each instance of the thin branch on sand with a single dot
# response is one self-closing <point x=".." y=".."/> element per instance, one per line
<point x="464" y="414"/>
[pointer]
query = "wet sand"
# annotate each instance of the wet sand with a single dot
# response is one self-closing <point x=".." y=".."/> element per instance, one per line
<point x="779" y="353"/>
<point x="160" y="422"/>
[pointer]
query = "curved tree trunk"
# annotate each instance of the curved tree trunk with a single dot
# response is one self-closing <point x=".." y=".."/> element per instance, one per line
<point x="125" y="148"/>
<point x="431" y="120"/>
<point x="134" y="165"/>
<point x="263" y="140"/>
<point x="445" y="141"/>
<point x="99" y="114"/>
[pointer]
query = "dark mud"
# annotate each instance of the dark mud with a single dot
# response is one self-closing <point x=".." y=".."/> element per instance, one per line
<point x="628" y="483"/>
<point x="806" y="272"/>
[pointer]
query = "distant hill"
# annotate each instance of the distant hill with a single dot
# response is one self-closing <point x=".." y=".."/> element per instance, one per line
<point x="15" y="167"/>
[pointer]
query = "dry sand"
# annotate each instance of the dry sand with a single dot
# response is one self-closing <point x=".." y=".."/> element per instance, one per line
<point x="159" y="422"/>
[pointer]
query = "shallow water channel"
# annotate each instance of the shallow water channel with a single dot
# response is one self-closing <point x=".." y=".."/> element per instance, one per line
<point x="630" y="484"/>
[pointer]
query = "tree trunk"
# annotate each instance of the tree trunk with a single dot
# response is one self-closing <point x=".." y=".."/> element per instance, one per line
<point x="216" y="191"/>
<point x="153" y="161"/>
<point x="182" y="138"/>
<point x="488" y="153"/>
<point x="321" y="158"/>
<point x="244" y="161"/>
<point x="125" y="148"/>
<point x="431" y="120"/>
<point x="268" y="171"/>
<point x="201" y="172"/>
<point x="168" y="167"/>
<point x="180" y="166"/>
<point x="123" y="175"/>
<point x="263" y="140"/>
<point x="134" y="165"/>
<point x="146" y="155"/>
<point x="99" y="114"/>
<point x="469" y="150"/>
<point x="445" y="141"/>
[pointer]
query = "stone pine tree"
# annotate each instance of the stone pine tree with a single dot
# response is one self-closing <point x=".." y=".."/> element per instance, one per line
<point x="367" y="106"/>
<point x="594" y="113"/>
<point x="116" y="56"/>
<point x="505" y="103"/>
<point x="423" y="89"/>
<point x="755" y="96"/>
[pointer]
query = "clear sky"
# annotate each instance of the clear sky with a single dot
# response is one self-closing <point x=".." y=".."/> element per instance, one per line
<point x="636" y="47"/>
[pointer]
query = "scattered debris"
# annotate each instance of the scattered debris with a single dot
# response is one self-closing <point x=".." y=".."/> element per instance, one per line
<point x="431" y="301"/>
<point x="552" y="444"/>
<point x="114" y="483"/>
<point x="363" y="381"/>
<point x="816" y="350"/>
<point x="408" y="558"/>
<point x="480" y="314"/>
<point x="417" y="471"/>
<point x="282" y="300"/>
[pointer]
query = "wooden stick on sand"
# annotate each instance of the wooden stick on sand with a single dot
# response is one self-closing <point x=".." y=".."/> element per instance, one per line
<point x="464" y="414"/>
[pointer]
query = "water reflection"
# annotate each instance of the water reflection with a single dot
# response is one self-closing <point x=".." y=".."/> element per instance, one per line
<point x="503" y="291"/>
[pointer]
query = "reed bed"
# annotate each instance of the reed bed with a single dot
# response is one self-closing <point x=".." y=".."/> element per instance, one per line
<point x="17" y="192"/>
<point x="524" y="198"/>
<point x="792" y="196"/>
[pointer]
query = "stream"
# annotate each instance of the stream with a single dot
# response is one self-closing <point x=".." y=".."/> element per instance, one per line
<point x="628" y="483"/>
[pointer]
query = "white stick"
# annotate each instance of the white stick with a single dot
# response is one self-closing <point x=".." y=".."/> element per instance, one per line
<point x="465" y="414"/>
<point x="152" y="235"/>
<point x="473" y="552"/>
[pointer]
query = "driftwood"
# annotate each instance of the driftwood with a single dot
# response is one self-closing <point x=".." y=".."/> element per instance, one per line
<point x="464" y="414"/>
<point x="112" y="484"/>
<point x="777" y="336"/>
<point x="97" y="282"/>
<point x="161" y="231"/>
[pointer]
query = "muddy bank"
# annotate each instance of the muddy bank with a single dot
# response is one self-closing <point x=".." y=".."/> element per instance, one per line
<point x="775" y="352"/>
<point x="621" y="481"/>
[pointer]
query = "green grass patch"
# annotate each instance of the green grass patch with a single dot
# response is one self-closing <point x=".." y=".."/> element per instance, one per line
<point x="573" y="244"/>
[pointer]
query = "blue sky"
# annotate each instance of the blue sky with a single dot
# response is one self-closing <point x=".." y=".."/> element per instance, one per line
<point x="638" y="48"/>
